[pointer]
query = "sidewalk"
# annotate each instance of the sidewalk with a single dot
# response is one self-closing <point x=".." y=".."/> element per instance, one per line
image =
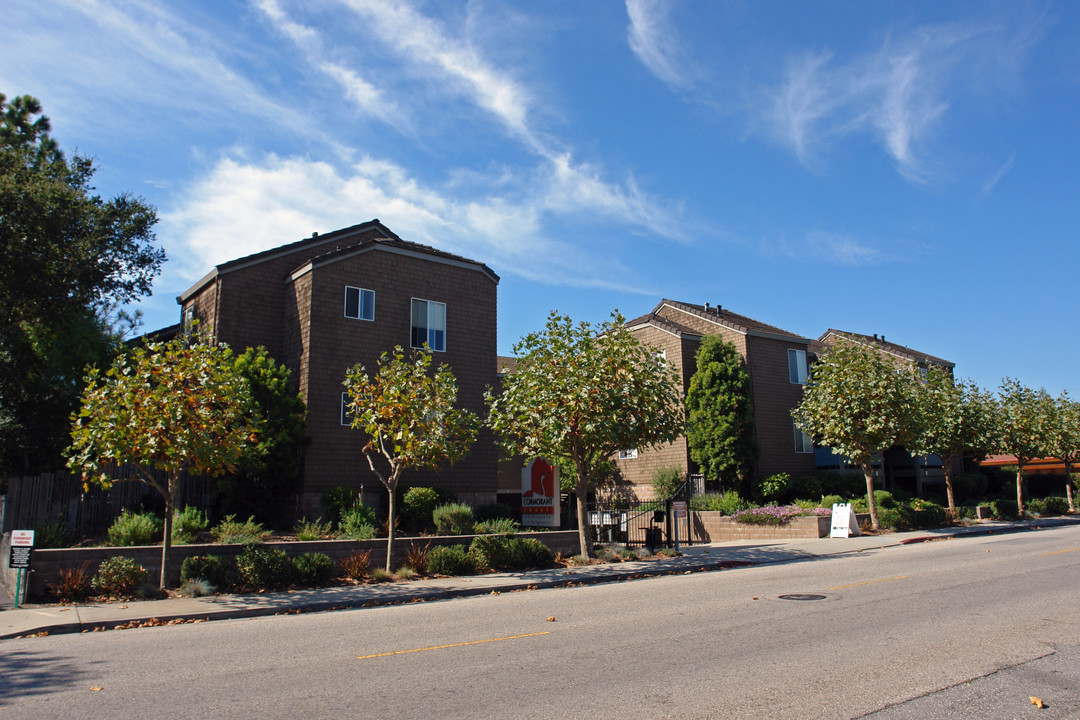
<point x="54" y="619"/>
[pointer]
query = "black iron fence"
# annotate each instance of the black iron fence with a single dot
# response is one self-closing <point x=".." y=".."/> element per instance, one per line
<point x="651" y="524"/>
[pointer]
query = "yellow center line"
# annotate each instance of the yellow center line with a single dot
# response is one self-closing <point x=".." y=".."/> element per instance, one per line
<point x="443" y="647"/>
<point x="868" y="582"/>
<point x="1058" y="552"/>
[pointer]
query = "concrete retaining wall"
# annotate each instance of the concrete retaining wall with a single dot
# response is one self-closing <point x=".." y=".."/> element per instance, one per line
<point x="45" y="564"/>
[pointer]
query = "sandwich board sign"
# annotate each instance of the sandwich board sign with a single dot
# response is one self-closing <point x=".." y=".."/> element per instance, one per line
<point x="540" y="494"/>
<point x="844" y="522"/>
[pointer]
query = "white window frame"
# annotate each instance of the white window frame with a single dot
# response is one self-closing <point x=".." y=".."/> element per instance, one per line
<point x="346" y="421"/>
<point x="429" y="330"/>
<point x="628" y="454"/>
<point x="796" y="360"/>
<point x="361" y="294"/>
<point x="803" y="443"/>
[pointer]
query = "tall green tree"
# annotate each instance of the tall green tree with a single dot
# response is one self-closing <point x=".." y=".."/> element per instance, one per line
<point x="67" y="256"/>
<point x="859" y="403"/>
<point x="1025" y="419"/>
<point x="1064" y="439"/>
<point x="720" y="419"/>
<point x="580" y="394"/>
<point x="171" y="407"/>
<point x="953" y="419"/>
<point x="409" y="418"/>
<point x="269" y="472"/>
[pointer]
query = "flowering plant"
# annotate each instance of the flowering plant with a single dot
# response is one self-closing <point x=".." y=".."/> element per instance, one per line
<point x="768" y="515"/>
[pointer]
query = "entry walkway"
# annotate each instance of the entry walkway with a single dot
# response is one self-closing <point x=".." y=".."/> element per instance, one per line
<point x="53" y="619"/>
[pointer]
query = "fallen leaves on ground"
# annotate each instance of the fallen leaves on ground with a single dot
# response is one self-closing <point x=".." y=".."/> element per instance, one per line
<point x="1037" y="702"/>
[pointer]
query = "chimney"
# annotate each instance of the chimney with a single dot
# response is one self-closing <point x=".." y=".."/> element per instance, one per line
<point x="706" y="307"/>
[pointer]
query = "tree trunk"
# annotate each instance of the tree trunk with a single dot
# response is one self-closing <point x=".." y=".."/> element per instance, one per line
<point x="868" y="473"/>
<point x="1020" y="488"/>
<point x="391" y="486"/>
<point x="1069" y="486"/>
<point x="171" y="496"/>
<point x="582" y="493"/>
<point x="947" y="466"/>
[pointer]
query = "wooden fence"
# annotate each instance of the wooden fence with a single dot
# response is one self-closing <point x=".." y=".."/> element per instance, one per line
<point x="59" y="497"/>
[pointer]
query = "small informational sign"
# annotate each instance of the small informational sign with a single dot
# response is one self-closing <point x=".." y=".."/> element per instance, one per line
<point x="540" y="494"/>
<point x="20" y="556"/>
<point x="22" y="545"/>
<point x="679" y="508"/>
<point x="844" y="522"/>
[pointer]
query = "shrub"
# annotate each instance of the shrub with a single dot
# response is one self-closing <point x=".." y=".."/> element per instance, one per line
<point x="358" y="523"/>
<point x="312" y="529"/>
<point x="119" y="576"/>
<point x="859" y="504"/>
<point x="616" y="553"/>
<point x="380" y="575"/>
<point x="196" y="587"/>
<point x="231" y="531"/>
<point x="969" y="485"/>
<point x="214" y="569"/>
<point x="135" y="529"/>
<point x="1035" y="506"/>
<point x="898" y="517"/>
<point x="668" y="552"/>
<point x="726" y="503"/>
<point x="338" y="500"/>
<point x="768" y="515"/>
<point x="830" y="500"/>
<point x="667" y="481"/>
<point x="417" y="505"/>
<point x="51" y="535"/>
<point x="1004" y="509"/>
<point x="405" y="573"/>
<point x="1054" y="505"/>
<point x="453" y="519"/>
<point x="772" y="488"/>
<point x="501" y="552"/>
<point x="928" y="514"/>
<point x="261" y="567"/>
<point x="416" y="557"/>
<point x="313" y="568"/>
<point x="355" y="565"/>
<point x="807" y="485"/>
<point x="72" y="584"/>
<point x="503" y="526"/>
<point x="842" y="484"/>
<point x="884" y="499"/>
<point x="450" y="560"/>
<point x="187" y="525"/>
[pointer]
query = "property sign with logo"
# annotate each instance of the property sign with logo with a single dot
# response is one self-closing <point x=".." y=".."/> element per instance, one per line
<point x="540" y="494"/>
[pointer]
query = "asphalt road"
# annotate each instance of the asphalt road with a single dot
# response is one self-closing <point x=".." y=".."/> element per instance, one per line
<point x="960" y="628"/>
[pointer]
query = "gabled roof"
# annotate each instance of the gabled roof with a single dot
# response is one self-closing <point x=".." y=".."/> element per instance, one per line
<point x="394" y="245"/>
<point x="332" y="246"/>
<point x="662" y="323"/>
<point x="879" y="343"/>
<point x="721" y="317"/>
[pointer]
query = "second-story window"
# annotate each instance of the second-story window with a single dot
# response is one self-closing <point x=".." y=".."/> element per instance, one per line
<point x="796" y="363"/>
<point x="359" y="303"/>
<point x="428" y="325"/>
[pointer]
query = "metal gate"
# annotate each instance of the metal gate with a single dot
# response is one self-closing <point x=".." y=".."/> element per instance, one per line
<point x="650" y="524"/>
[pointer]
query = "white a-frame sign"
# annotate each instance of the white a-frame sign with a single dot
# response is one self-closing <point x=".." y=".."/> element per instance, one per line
<point x="844" y="523"/>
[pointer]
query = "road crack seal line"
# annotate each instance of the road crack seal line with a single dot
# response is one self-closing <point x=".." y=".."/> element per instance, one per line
<point x="946" y="688"/>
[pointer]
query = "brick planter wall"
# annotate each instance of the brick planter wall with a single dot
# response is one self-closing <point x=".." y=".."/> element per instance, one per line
<point x="711" y="526"/>
<point x="45" y="564"/>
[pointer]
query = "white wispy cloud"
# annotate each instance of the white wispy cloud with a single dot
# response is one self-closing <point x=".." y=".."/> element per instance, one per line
<point x="842" y="249"/>
<point x="259" y="204"/>
<point x="655" y="42"/>
<point x="994" y="179"/>
<point x="899" y="93"/>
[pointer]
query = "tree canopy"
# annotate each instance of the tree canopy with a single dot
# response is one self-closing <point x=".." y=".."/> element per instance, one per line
<point x="1024" y="427"/>
<point x="580" y="394"/>
<point x="170" y="407"/>
<point x="1064" y="440"/>
<point x="409" y="418"/>
<point x="953" y="419"/>
<point x="858" y="403"/>
<point x="720" y="419"/>
<point x="67" y="257"/>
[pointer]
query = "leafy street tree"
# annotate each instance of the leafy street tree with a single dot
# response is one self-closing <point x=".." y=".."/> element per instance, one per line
<point x="409" y="418"/>
<point x="67" y="259"/>
<point x="1064" y="439"/>
<point x="720" y="421"/>
<point x="580" y="394"/>
<point x="269" y="470"/>
<point x="859" y="404"/>
<point x="170" y="407"/>
<point x="1025" y="419"/>
<point x="953" y="419"/>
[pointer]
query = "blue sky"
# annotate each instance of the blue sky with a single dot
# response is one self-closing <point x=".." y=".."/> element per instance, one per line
<point x="906" y="169"/>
